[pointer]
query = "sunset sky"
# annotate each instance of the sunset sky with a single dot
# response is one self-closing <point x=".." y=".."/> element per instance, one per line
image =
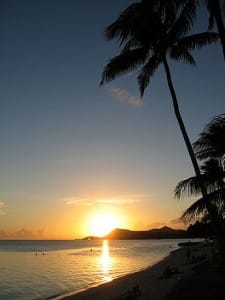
<point x="75" y="157"/>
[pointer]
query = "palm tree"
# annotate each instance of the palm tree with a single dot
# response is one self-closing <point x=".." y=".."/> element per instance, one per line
<point x="150" y="31"/>
<point x="212" y="176"/>
<point x="211" y="141"/>
<point x="216" y="10"/>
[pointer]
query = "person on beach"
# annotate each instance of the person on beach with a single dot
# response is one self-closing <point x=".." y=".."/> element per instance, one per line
<point x="170" y="271"/>
<point x="188" y="254"/>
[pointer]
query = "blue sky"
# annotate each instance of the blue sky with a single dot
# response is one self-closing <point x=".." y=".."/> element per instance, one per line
<point x="63" y="137"/>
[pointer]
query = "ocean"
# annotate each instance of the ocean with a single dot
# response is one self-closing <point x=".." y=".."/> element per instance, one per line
<point x="34" y="270"/>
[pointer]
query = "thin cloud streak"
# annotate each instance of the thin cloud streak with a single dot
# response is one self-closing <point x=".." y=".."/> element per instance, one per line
<point x="116" y="200"/>
<point x="22" y="233"/>
<point x="142" y="196"/>
<point x="77" y="201"/>
<point x="125" y="199"/>
<point x="123" y="96"/>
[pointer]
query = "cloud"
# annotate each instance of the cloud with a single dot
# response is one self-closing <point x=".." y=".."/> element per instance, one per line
<point x="137" y="196"/>
<point x="22" y="233"/>
<point x="124" y="199"/>
<point x="2" y="233"/>
<point x="115" y="200"/>
<point x="77" y="201"/>
<point x="124" y="96"/>
<point x="2" y="205"/>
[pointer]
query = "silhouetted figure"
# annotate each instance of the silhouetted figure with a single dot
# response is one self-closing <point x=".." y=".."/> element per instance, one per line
<point x="188" y="254"/>
<point x="170" y="271"/>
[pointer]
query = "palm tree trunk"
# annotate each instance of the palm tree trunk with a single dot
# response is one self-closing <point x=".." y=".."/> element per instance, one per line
<point x="181" y="123"/>
<point x="213" y="212"/>
<point x="219" y="22"/>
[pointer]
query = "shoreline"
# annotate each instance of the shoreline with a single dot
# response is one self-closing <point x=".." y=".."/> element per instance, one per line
<point x="149" y="283"/>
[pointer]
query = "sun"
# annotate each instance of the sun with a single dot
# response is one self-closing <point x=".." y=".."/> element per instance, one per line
<point x="103" y="223"/>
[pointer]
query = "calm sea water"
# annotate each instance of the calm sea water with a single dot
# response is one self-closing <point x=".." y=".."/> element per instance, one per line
<point x="32" y="270"/>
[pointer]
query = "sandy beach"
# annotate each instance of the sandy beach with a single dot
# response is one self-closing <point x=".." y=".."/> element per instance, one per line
<point x="149" y="281"/>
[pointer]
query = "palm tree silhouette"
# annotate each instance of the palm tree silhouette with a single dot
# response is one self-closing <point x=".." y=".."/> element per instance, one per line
<point x="211" y="141"/>
<point x="209" y="148"/>
<point x="216" y="13"/>
<point x="216" y="10"/>
<point x="212" y="176"/>
<point x="149" y="31"/>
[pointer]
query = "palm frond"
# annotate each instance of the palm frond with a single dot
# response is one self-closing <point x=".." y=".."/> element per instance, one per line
<point x="211" y="141"/>
<point x="203" y="147"/>
<point x="217" y="196"/>
<point x="213" y="167"/>
<point x="138" y="21"/>
<point x="130" y="44"/>
<point x="123" y="63"/>
<point x="211" y="21"/>
<point x="180" y="54"/>
<point x="148" y="71"/>
<point x="196" y="209"/>
<point x="168" y="12"/>
<point x="212" y="178"/>
<point x="218" y="121"/>
<point x="122" y="27"/>
<point x="209" y="5"/>
<point x="199" y="207"/>
<point x="179" y="3"/>
<point x="185" y="21"/>
<point x="176" y="4"/>
<point x="223" y="8"/>
<point x="187" y="187"/>
<point x="199" y="40"/>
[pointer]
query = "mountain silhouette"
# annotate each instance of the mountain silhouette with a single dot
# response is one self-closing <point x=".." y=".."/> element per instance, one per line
<point x="158" y="233"/>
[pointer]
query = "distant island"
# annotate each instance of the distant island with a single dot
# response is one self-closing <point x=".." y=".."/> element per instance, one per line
<point x="159" y="233"/>
<point x="196" y="230"/>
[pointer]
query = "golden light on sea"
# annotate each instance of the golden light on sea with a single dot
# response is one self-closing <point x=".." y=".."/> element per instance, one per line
<point x="106" y="261"/>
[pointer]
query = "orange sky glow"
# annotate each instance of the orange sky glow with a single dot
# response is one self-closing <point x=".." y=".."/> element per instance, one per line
<point x="79" y="160"/>
<point x="77" y="218"/>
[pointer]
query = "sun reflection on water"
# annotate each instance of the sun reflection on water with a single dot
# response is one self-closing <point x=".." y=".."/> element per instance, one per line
<point x="106" y="261"/>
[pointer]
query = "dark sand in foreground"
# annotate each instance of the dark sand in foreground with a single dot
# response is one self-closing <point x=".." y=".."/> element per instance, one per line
<point x="151" y="286"/>
<point x="207" y="282"/>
